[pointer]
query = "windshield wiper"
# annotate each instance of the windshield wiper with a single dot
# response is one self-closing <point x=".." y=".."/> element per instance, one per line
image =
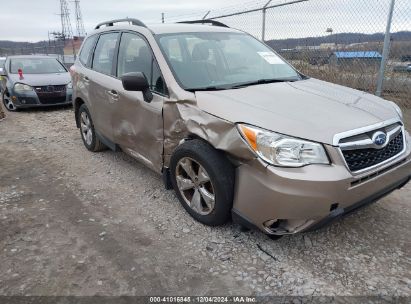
<point x="210" y="88"/>
<point x="261" y="81"/>
<point x="241" y="85"/>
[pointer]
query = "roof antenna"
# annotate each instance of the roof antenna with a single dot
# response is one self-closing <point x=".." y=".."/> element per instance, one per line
<point x="205" y="16"/>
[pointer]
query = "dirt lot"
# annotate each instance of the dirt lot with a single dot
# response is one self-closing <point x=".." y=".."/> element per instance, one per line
<point x="79" y="223"/>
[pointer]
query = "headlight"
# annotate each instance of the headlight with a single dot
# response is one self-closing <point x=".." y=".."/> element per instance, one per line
<point x="282" y="150"/>
<point x="70" y="85"/>
<point x="21" y="87"/>
<point x="398" y="109"/>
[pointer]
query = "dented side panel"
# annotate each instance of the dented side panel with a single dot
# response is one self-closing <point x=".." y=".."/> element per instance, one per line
<point x="183" y="119"/>
<point x="138" y="127"/>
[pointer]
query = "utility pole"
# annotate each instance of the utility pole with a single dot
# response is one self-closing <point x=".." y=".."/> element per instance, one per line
<point x="386" y="50"/>
<point x="264" y="16"/>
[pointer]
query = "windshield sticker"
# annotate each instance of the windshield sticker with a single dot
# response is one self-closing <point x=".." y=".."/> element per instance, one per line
<point x="271" y="57"/>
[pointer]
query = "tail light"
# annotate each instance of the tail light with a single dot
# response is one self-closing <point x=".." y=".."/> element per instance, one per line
<point x="72" y="70"/>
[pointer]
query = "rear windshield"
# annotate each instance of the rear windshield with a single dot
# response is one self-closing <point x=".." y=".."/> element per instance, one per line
<point x="36" y="66"/>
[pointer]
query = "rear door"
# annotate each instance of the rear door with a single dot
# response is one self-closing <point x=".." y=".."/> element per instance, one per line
<point x="81" y="71"/>
<point x="138" y="125"/>
<point x="102" y="95"/>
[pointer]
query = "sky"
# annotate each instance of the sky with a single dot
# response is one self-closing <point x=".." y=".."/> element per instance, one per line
<point x="31" y="20"/>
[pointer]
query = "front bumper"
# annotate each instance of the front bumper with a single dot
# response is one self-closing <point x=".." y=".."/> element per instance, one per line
<point x="290" y="200"/>
<point x="31" y="99"/>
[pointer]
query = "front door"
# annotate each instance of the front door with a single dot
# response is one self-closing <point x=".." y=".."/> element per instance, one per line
<point x="138" y="125"/>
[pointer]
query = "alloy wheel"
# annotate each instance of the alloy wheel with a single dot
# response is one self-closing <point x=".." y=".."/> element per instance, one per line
<point x="8" y="103"/>
<point x="86" y="129"/>
<point x="194" y="185"/>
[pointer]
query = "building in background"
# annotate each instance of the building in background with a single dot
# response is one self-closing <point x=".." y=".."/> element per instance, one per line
<point x="72" y="45"/>
<point x="363" y="58"/>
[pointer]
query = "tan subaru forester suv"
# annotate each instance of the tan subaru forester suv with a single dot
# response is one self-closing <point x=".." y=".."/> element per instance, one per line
<point x="235" y="129"/>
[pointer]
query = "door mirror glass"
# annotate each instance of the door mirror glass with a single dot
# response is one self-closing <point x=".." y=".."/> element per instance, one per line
<point x="136" y="81"/>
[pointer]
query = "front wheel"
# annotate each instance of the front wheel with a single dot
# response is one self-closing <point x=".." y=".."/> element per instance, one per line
<point x="203" y="179"/>
<point x="8" y="103"/>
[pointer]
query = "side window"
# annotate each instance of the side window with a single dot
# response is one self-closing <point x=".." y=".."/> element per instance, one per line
<point x="104" y="53"/>
<point x="134" y="55"/>
<point x="86" y="50"/>
<point x="157" y="82"/>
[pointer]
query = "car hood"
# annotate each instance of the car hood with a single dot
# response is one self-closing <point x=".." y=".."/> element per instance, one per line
<point x="42" y="79"/>
<point x="310" y="109"/>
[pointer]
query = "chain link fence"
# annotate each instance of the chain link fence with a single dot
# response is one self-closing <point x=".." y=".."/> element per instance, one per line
<point x="340" y="41"/>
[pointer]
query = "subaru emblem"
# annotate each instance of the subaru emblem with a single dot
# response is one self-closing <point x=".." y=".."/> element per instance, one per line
<point x="379" y="138"/>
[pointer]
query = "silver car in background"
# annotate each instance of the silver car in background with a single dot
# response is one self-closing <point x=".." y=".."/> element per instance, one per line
<point x="34" y="81"/>
<point x="2" y="61"/>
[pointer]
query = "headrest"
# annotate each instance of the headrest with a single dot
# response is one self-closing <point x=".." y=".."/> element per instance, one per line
<point x="144" y="52"/>
<point x="201" y="51"/>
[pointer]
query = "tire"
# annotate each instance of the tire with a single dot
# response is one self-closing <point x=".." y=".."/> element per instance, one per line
<point x="274" y="237"/>
<point x="212" y="176"/>
<point x="8" y="103"/>
<point x="88" y="132"/>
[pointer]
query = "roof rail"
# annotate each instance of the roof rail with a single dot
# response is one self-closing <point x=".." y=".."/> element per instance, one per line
<point x="205" y="21"/>
<point x="111" y="22"/>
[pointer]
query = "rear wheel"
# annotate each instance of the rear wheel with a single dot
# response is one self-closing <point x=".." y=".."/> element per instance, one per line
<point x="204" y="182"/>
<point x="8" y="103"/>
<point x="87" y="131"/>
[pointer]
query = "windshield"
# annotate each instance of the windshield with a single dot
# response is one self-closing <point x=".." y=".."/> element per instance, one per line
<point x="36" y="66"/>
<point x="222" y="60"/>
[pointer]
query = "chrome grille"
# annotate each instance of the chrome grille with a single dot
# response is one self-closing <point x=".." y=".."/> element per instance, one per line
<point x="51" y="94"/>
<point x="359" y="159"/>
<point x="371" y="146"/>
<point x="51" y="89"/>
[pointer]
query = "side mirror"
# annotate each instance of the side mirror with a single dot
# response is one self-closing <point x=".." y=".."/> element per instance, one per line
<point x="2" y="71"/>
<point x="136" y="81"/>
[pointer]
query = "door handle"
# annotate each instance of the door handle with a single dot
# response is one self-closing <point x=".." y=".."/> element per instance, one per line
<point x="113" y="94"/>
<point x="86" y="79"/>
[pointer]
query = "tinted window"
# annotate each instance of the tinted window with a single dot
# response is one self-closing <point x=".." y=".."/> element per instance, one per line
<point x="87" y="49"/>
<point x="104" y="53"/>
<point x="36" y="66"/>
<point x="135" y="56"/>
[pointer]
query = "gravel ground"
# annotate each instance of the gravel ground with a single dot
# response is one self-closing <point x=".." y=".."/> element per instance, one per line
<point x="74" y="222"/>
